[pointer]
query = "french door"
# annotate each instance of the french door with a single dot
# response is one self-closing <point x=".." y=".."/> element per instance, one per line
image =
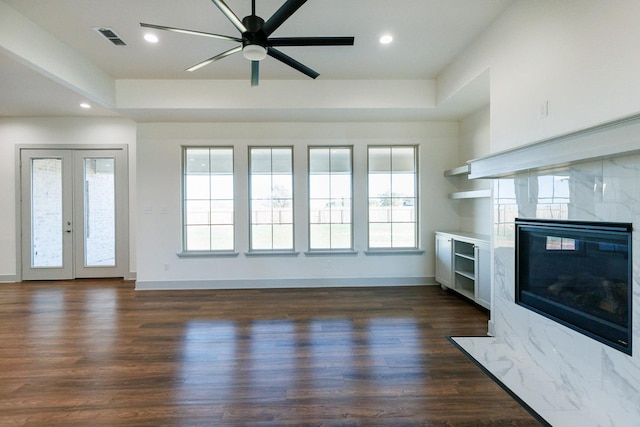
<point x="74" y="214"/>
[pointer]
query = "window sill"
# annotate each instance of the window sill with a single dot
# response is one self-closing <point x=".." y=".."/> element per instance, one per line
<point x="271" y="253"/>
<point x="207" y="254"/>
<point x="394" y="252"/>
<point x="331" y="253"/>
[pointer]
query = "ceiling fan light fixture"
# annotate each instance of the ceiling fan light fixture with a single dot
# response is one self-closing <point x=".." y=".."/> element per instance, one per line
<point x="254" y="52"/>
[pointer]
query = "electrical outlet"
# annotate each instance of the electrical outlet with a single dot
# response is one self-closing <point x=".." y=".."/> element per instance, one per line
<point x="543" y="111"/>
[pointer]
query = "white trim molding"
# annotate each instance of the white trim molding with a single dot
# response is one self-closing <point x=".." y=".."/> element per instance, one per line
<point x="284" y="283"/>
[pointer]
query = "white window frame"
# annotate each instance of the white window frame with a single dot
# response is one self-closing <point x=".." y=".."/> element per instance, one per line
<point x="331" y="222"/>
<point x="210" y="199"/>
<point x="392" y="199"/>
<point x="274" y="249"/>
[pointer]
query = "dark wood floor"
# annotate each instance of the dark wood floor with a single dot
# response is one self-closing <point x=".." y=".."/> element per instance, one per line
<point x="99" y="353"/>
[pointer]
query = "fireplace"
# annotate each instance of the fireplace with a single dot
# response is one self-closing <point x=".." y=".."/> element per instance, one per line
<point x="578" y="274"/>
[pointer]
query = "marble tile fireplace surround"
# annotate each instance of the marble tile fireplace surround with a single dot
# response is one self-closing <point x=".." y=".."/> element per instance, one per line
<point x="568" y="378"/>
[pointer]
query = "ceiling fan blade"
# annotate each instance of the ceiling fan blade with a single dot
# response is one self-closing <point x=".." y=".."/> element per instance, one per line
<point x="185" y="31"/>
<point x="274" y="53"/>
<point x="215" y="58"/>
<point x="281" y="15"/>
<point x="311" y="41"/>
<point x="230" y="15"/>
<point x="255" y="73"/>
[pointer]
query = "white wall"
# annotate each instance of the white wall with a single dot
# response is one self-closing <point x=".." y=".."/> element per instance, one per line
<point x="59" y="131"/>
<point x="475" y="214"/>
<point x="579" y="55"/>
<point x="159" y="180"/>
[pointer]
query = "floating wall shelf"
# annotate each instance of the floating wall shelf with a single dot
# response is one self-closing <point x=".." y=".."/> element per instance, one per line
<point x="474" y="194"/>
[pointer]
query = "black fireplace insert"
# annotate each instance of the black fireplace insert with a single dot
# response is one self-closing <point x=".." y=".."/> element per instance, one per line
<point x="579" y="274"/>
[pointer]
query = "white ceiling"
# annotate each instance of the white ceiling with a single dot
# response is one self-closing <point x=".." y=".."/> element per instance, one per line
<point x="428" y="34"/>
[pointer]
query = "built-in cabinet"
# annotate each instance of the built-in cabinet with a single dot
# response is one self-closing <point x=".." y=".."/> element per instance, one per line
<point x="463" y="265"/>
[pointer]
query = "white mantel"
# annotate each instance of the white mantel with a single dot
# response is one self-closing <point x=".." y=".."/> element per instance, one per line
<point x="612" y="139"/>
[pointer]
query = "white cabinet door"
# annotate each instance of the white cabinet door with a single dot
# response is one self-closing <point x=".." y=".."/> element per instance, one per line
<point x="444" y="245"/>
<point x="483" y="274"/>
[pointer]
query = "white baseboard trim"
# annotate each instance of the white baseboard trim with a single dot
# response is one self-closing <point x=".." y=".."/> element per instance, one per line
<point x="283" y="283"/>
<point x="8" y="278"/>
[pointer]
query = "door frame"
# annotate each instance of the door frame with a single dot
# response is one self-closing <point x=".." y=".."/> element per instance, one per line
<point x="122" y="199"/>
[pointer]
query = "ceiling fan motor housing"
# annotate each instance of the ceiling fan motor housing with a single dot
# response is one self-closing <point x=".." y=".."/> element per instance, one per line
<point x="254" y="34"/>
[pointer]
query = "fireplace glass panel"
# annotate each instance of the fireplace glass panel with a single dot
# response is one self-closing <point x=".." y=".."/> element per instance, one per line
<point x="578" y="274"/>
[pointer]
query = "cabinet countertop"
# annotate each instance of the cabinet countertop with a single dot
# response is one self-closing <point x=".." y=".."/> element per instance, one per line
<point x="465" y="235"/>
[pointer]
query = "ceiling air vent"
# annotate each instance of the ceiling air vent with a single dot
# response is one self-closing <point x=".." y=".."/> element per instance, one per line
<point x="110" y="35"/>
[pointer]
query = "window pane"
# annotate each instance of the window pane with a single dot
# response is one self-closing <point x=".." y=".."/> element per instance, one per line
<point x="282" y="215"/>
<point x="393" y="200"/>
<point x="222" y="212"/>
<point x="341" y="160"/>
<point x="283" y="236"/>
<point x="197" y="161"/>
<point x="379" y="159"/>
<point x="222" y="161"/>
<point x="222" y="187"/>
<point x="319" y="211"/>
<point x="271" y="198"/>
<point x="379" y="185"/>
<point x="403" y="214"/>
<point x="197" y="212"/>
<point x="281" y="160"/>
<point x="222" y="237"/>
<point x="403" y="159"/>
<point x="260" y="160"/>
<point x="404" y="235"/>
<point x="198" y="238"/>
<point x="341" y="236"/>
<point x="46" y="212"/>
<point x="380" y="210"/>
<point x="380" y="235"/>
<point x="341" y="186"/>
<point x="319" y="160"/>
<point x="282" y="186"/>
<point x="100" y="212"/>
<point x="260" y="187"/>
<point x="340" y="215"/>
<point x="320" y="186"/>
<point x="403" y="185"/>
<point x="261" y="212"/>
<point x="261" y="237"/>
<point x="197" y="187"/>
<point x="208" y="205"/>
<point x="330" y="198"/>
<point x="320" y="236"/>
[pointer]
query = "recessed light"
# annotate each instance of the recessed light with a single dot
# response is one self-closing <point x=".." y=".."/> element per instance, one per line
<point x="151" y="38"/>
<point x="386" y="39"/>
<point x="85" y="105"/>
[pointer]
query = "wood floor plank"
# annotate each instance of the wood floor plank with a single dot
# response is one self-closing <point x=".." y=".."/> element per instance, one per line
<point x="97" y="352"/>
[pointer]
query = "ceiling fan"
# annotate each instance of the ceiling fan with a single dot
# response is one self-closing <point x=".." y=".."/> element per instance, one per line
<point x="256" y="40"/>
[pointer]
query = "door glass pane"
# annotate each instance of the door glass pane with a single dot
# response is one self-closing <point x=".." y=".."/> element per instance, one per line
<point x="46" y="213"/>
<point x="99" y="212"/>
